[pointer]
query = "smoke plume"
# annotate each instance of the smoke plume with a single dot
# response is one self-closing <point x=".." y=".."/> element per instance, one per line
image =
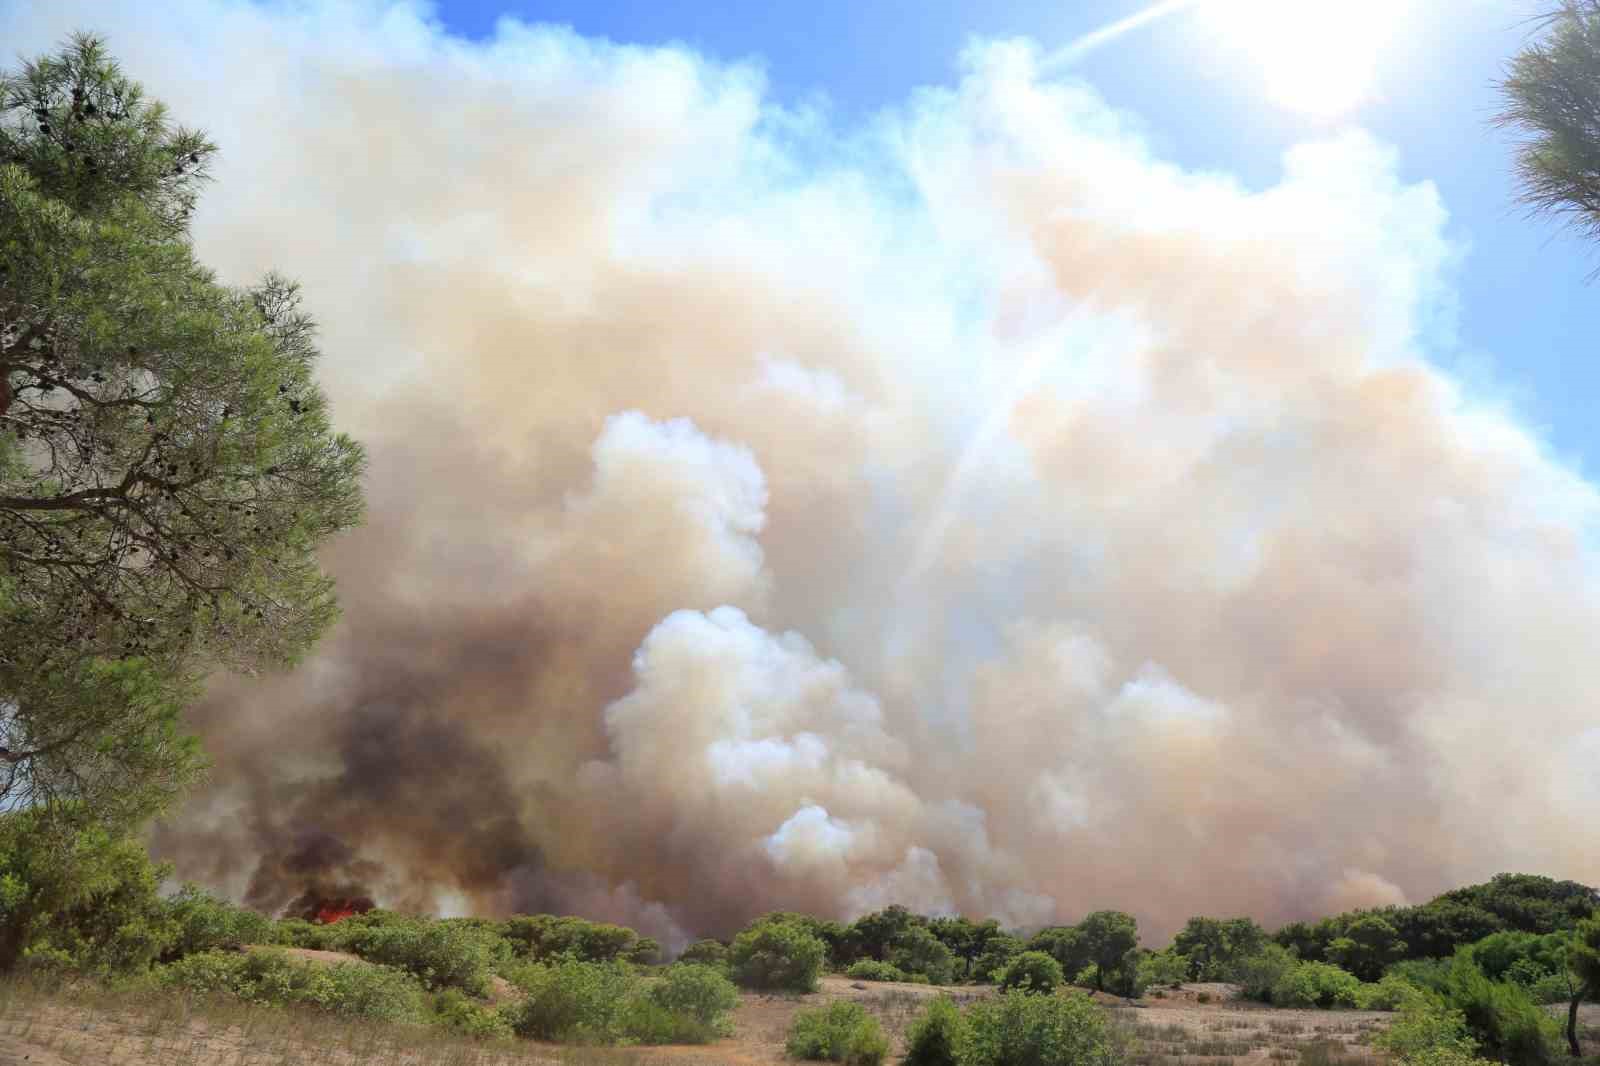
<point x="964" y="508"/>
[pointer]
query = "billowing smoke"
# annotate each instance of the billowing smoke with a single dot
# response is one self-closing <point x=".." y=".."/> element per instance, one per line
<point x="965" y="508"/>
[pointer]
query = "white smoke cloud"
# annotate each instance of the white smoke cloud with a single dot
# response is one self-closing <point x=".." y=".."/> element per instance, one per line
<point x="969" y="509"/>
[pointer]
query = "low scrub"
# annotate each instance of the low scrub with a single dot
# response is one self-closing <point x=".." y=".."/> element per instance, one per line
<point x="839" y="1032"/>
<point x="934" y="1038"/>
<point x="873" y="970"/>
<point x="441" y="954"/>
<point x="1316" y="984"/>
<point x="777" y="955"/>
<point x="272" y="977"/>
<point x="1387" y="994"/>
<point x="1018" y="1029"/>
<point x="455" y="1011"/>
<point x="609" y="1003"/>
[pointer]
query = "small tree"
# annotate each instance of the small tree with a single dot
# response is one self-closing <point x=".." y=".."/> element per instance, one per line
<point x="1369" y="944"/>
<point x="1583" y="961"/>
<point x="918" y="951"/>
<point x="777" y="955"/>
<point x="1032" y="971"/>
<point x="1110" y="937"/>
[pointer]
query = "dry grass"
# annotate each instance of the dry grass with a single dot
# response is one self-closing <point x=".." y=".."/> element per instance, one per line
<point x="92" y="1026"/>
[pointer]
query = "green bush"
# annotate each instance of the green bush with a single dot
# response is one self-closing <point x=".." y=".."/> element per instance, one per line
<point x="934" y="1039"/>
<point x="873" y="970"/>
<point x="1166" y="968"/>
<point x="1501" y="1016"/>
<point x="1017" y="1029"/>
<point x="777" y="955"/>
<point x="442" y="954"/>
<point x="1032" y="971"/>
<point x="453" y="1010"/>
<point x="695" y="991"/>
<point x="206" y="923"/>
<point x="572" y="1002"/>
<point x="1427" y="1032"/>
<point x="1430" y="975"/>
<point x="996" y="956"/>
<point x="706" y="952"/>
<point x="1316" y="984"/>
<point x="839" y="1032"/>
<point x="1387" y="994"/>
<point x="918" y="952"/>
<point x="642" y="1020"/>
<point x="1258" y="974"/>
<point x="542" y="937"/>
<point x="1551" y="988"/>
<point x="272" y="977"/>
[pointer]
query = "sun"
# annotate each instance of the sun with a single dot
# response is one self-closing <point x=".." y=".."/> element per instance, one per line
<point x="1318" y="57"/>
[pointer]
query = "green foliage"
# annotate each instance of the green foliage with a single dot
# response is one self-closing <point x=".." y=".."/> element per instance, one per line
<point x="83" y="895"/>
<point x="441" y="953"/>
<point x="872" y="935"/>
<point x="272" y="977"/>
<point x="1316" y="984"/>
<point x="997" y="954"/>
<point x="839" y="1032"/>
<point x="777" y="954"/>
<point x="917" y="951"/>
<point x="1259" y="974"/>
<point x="453" y="1010"/>
<point x="571" y="1002"/>
<point x="1016" y="1029"/>
<point x="167" y="470"/>
<point x="1550" y="97"/>
<point x="1066" y="945"/>
<point x="1428" y="974"/>
<point x="645" y="951"/>
<point x="641" y="1020"/>
<point x="1389" y="993"/>
<point x="1519" y="957"/>
<point x="205" y="923"/>
<point x="1213" y="946"/>
<point x="967" y="940"/>
<point x="1111" y="937"/>
<point x="1425" y="1022"/>
<point x="873" y="970"/>
<point x="934" y="1038"/>
<point x="1032" y="972"/>
<point x="1166" y="968"/>
<point x="541" y="937"/>
<point x="708" y="952"/>
<point x="696" y="991"/>
<point x="1367" y="945"/>
<point x="1501" y="1016"/>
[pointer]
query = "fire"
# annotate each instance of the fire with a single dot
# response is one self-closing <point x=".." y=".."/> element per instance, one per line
<point x="335" y="910"/>
<point x="323" y="909"/>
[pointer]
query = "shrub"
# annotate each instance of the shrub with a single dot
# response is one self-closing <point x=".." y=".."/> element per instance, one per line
<point x="839" y="1032"/>
<point x="642" y="1020"/>
<point x="271" y="977"/>
<point x="777" y="955"/>
<point x="1258" y="974"/>
<point x="917" y="951"/>
<point x="873" y="970"/>
<point x="454" y="1011"/>
<point x="574" y="1002"/>
<point x="205" y="923"/>
<point x="699" y="992"/>
<point x="996" y="956"/>
<point x="1316" y="984"/>
<point x="935" y="1037"/>
<point x="1387" y="994"/>
<point x="1163" y="968"/>
<point x="1551" y="988"/>
<point x="545" y="937"/>
<point x="1032" y="971"/>
<point x="442" y="954"/>
<point x="1016" y="1029"/>
<point x="1501" y="1016"/>
<point x="706" y="952"/>
<point x="1428" y="974"/>
<point x="1422" y="1023"/>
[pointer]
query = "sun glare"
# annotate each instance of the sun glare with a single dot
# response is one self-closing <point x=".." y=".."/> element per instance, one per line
<point x="1315" y="57"/>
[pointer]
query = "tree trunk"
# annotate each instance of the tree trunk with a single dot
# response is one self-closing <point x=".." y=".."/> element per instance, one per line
<point x="1572" y="1020"/>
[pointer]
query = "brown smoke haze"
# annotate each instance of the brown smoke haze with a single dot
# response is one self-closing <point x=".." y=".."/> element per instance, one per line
<point x="967" y="509"/>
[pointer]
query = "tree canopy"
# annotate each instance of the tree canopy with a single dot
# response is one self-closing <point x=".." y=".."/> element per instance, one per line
<point x="167" y="467"/>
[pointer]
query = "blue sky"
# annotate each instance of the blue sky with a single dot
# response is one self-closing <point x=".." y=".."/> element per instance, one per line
<point x="1528" y="309"/>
